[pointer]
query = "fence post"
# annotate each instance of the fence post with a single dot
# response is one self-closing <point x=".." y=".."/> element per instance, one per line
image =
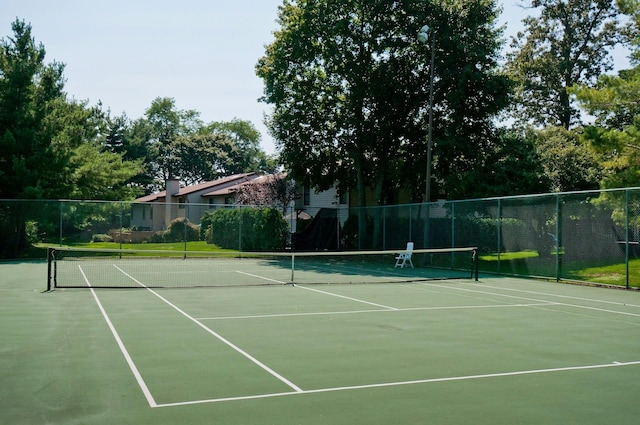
<point x="239" y="228"/>
<point x="384" y="226"/>
<point x="453" y="233"/>
<point x="557" y="239"/>
<point x="121" y="224"/>
<point x="184" y="236"/>
<point x="49" y="275"/>
<point x="626" y="237"/>
<point x="499" y="222"/>
<point x="61" y="208"/>
<point x="411" y="222"/>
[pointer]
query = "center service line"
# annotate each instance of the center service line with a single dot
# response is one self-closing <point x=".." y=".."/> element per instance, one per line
<point x="322" y="292"/>
<point x="346" y="298"/>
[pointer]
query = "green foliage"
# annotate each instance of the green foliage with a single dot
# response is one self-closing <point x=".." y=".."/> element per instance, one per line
<point x="180" y="230"/>
<point x="616" y="133"/>
<point x="49" y="145"/>
<point x="567" y="44"/>
<point x="249" y="157"/>
<point x="510" y="165"/>
<point x="245" y="229"/>
<point x="29" y="153"/>
<point x="558" y="147"/>
<point x="347" y="82"/>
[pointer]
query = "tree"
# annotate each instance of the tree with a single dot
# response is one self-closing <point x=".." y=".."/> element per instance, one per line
<point x="165" y="124"/>
<point x="567" y="44"/>
<point x="347" y="82"/>
<point x="129" y="139"/>
<point x="512" y="166"/>
<point x="27" y="89"/>
<point x="203" y="157"/>
<point x="613" y="101"/>
<point x="273" y="190"/>
<point x="243" y="134"/>
<point x="616" y="131"/>
<point x="49" y="146"/>
<point x="176" y="143"/>
<point x="557" y="147"/>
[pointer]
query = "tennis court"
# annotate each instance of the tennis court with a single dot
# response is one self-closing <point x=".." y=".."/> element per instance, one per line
<point x="497" y="350"/>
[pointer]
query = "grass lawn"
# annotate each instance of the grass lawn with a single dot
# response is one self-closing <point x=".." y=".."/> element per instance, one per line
<point x="199" y="246"/>
<point x="528" y="263"/>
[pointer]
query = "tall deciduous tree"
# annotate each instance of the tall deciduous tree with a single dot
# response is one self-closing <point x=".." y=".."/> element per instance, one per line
<point x="202" y="157"/>
<point x="165" y="123"/>
<point x="178" y="144"/>
<point x="568" y="43"/>
<point x="244" y="135"/>
<point x="350" y="86"/>
<point x="567" y="161"/>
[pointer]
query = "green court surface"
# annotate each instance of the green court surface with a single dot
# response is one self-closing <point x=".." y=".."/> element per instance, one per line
<point x="496" y="351"/>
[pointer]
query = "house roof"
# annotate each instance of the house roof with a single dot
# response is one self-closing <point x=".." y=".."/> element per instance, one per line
<point x="253" y="179"/>
<point x="215" y="185"/>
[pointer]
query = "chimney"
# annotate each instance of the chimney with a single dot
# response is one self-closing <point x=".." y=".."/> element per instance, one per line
<point x="172" y="186"/>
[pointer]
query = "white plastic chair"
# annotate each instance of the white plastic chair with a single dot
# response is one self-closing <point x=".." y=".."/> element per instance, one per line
<point x="405" y="257"/>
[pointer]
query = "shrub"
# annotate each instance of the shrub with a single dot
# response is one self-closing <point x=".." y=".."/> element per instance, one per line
<point x="101" y="238"/>
<point x="181" y="229"/>
<point x="247" y="229"/>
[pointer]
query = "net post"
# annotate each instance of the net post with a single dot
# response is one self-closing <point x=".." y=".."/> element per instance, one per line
<point x="49" y="249"/>
<point x="474" y="259"/>
<point x="293" y="265"/>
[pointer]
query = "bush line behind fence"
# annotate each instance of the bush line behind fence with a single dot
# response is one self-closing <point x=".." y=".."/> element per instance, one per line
<point x="591" y="236"/>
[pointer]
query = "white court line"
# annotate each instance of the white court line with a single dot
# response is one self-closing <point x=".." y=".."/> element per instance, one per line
<point x="556" y="295"/>
<point x="215" y="334"/>
<point x="346" y="298"/>
<point x="123" y="349"/>
<point x="261" y="277"/>
<point x="401" y="383"/>
<point x="319" y="291"/>
<point x="624" y="313"/>
<point x="398" y="310"/>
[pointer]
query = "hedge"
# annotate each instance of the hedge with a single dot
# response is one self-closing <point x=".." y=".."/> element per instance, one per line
<point x="245" y="229"/>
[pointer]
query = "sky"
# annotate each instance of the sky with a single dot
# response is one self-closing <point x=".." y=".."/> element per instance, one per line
<point x="201" y="53"/>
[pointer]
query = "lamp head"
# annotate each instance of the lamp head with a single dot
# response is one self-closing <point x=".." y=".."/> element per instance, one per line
<point x="423" y="34"/>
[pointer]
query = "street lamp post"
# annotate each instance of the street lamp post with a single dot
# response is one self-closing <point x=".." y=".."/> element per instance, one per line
<point x="423" y="38"/>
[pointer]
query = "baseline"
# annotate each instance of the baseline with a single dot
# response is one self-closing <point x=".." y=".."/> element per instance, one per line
<point x="403" y="383"/>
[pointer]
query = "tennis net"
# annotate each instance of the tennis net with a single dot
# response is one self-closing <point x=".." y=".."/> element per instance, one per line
<point x="104" y="268"/>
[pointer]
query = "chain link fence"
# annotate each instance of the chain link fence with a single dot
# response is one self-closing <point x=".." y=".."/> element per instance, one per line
<point x="579" y="236"/>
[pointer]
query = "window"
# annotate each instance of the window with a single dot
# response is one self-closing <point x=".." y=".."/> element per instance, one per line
<point x="182" y="203"/>
<point x="306" y="196"/>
